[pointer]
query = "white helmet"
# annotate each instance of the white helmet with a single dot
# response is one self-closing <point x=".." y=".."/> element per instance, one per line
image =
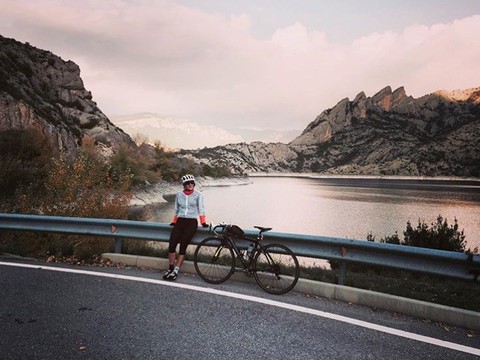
<point x="187" y="177"/>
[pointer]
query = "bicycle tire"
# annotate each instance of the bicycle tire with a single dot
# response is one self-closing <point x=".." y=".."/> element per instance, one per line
<point x="276" y="269"/>
<point x="214" y="260"/>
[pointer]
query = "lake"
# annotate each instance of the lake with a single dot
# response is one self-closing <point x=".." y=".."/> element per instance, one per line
<point x="341" y="207"/>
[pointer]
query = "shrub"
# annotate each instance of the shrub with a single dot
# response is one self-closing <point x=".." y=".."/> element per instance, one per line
<point x="215" y="171"/>
<point x="84" y="186"/>
<point x="440" y="236"/>
<point x="129" y="160"/>
<point x="394" y="239"/>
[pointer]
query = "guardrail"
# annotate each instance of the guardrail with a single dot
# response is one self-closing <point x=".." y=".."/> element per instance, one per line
<point x="343" y="251"/>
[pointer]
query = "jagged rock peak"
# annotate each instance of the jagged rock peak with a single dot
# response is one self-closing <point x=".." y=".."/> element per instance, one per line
<point x="360" y="97"/>
<point x="382" y="94"/>
<point x="386" y="100"/>
<point x="399" y="94"/>
<point x="344" y="112"/>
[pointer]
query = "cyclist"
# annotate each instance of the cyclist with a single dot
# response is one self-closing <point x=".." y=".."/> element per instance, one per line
<point x="189" y="205"/>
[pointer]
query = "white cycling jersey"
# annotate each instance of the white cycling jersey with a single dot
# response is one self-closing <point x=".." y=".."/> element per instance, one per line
<point x="189" y="206"/>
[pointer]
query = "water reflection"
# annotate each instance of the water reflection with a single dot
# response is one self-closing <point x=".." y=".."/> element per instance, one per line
<point x="310" y="206"/>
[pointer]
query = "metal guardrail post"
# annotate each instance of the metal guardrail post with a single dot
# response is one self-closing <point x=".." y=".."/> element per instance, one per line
<point x="118" y="245"/>
<point x="342" y="271"/>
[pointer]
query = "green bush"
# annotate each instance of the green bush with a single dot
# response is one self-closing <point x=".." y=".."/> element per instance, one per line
<point x="394" y="239"/>
<point x="440" y="236"/>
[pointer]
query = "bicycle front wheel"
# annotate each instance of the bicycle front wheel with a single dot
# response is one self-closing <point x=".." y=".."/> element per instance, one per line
<point x="214" y="260"/>
<point x="276" y="269"/>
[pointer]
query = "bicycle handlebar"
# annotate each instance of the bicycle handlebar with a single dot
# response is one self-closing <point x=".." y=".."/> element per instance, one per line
<point x="222" y="226"/>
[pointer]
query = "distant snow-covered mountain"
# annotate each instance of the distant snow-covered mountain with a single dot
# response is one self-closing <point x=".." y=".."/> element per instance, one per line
<point x="174" y="133"/>
<point x="188" y="135"/>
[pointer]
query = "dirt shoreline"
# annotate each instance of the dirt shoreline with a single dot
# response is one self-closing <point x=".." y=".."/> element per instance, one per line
<point x="367" y="177"/>
<point x="156" y="193"/>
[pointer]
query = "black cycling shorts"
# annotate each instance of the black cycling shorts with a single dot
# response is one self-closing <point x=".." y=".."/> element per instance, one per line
<point x="182" y="234"/>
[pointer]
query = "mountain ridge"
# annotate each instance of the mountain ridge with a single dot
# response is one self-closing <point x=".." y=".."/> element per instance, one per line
<point x="389" y="133"/>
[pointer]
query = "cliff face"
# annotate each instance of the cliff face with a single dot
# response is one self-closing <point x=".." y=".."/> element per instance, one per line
<point x="394" y="134"/>
<point x="389" y="133"/>
<point x="246" y="158"/>
<point x="341" y="116"/>
<point x="40" y="90"/>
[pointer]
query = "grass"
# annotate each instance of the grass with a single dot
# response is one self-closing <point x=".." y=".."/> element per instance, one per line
<point x="457" y="293"/>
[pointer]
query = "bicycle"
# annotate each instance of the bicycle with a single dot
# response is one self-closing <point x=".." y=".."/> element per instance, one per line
<point x="274" y="267"/>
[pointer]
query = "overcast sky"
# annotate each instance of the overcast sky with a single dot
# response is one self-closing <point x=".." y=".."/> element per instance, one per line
<point x="252" y="64"/>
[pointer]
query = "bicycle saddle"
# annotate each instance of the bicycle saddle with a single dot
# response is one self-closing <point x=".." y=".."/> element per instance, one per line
<point x="263" y="229"/>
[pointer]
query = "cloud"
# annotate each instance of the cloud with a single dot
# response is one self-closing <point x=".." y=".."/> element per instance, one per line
<point x="298" y="38"/>
<point x="158" y="56"/>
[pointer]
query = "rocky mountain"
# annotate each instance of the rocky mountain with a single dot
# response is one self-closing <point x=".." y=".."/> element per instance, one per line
<point x="40" y="90"/>
<point x="246" y="158"/>
<point x="389" y="133"/>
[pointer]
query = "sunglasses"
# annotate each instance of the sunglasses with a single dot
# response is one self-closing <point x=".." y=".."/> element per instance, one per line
<point x="189" y="183"/>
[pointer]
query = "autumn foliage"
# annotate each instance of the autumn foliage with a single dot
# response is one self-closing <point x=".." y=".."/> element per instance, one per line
<point x="83" y="186"/>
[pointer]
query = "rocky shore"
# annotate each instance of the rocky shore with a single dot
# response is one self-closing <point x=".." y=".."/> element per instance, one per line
<point x="157" y="193"/>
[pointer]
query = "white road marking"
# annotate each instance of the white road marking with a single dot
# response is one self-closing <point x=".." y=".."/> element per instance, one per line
<point x="302" y="309"/>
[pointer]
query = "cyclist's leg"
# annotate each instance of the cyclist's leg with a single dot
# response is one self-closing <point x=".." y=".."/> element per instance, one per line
<point x="174" y="240"/>
<point x="189" y="230"/>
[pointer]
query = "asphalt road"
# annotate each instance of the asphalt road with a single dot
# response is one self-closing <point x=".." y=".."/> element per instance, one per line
<point x="71" y="312"/>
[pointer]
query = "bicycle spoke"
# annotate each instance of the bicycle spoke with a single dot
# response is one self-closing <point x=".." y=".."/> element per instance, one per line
<point x="276" y="269"/>
<point x="214" y="261"/>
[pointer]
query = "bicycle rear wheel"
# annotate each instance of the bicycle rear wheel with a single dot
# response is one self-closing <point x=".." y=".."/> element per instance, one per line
<point x="276" y="269"/>
<point x="214" y="260"/>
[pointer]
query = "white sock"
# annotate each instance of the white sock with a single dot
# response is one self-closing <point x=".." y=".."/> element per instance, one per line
<point x="177" y="269"/>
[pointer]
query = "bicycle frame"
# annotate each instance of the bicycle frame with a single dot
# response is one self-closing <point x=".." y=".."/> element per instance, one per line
<point x="274" y="266"/>
<point x="236" y="249"/>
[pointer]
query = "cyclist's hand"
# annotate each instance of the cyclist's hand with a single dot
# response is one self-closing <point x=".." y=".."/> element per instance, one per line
<point x="205" y="225"/>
